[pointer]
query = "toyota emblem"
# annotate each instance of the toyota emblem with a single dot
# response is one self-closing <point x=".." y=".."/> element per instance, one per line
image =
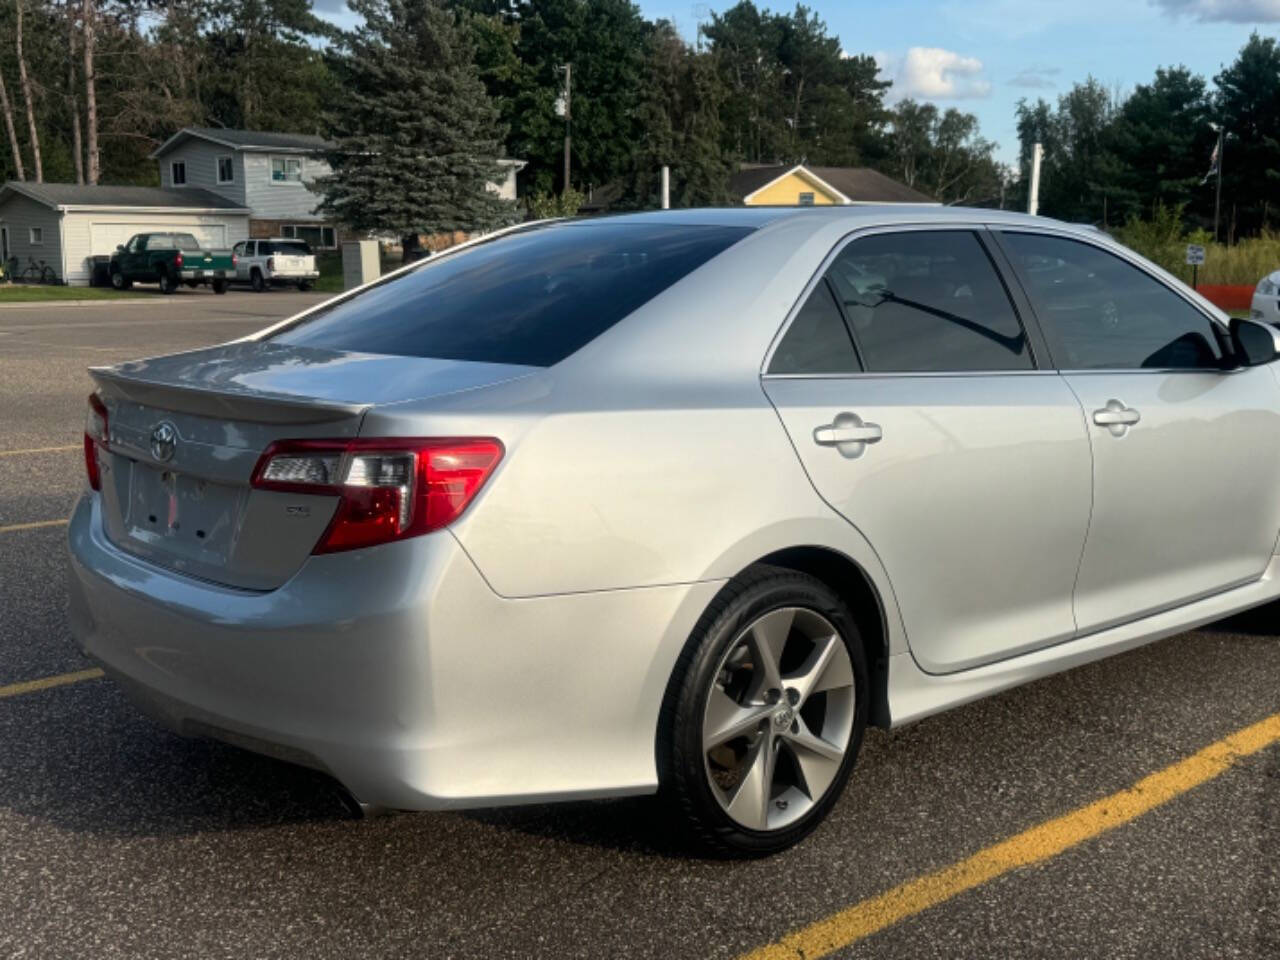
<point x="164" y="439"/>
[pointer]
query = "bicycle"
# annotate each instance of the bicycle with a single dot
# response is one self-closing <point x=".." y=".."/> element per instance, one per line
<point x="38" y="271"/>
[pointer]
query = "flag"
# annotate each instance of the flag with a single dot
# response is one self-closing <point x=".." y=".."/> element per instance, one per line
<point x="1213" y="162"/>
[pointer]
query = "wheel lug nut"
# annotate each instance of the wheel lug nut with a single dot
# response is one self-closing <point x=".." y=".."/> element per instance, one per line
<point x="793" y="695"/>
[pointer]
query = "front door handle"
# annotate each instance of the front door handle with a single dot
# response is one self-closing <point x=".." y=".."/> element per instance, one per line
<point x="1116" y="417"/>
<point x="849" y="434"/>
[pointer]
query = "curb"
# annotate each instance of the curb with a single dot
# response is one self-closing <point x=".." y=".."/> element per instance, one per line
<point x="48" y="304"/>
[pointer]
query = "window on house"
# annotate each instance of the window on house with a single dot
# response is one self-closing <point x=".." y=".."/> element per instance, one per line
<point x="36" y="236"/>
<point x="317" y="237"/>
<point x="178" y="173"/>
<point x="226" y="170"/>
<point x="286" y="169"/>
<point x="806" y="199"/>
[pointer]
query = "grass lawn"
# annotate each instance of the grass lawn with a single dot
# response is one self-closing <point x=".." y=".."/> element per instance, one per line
<point x="41" y="293"/>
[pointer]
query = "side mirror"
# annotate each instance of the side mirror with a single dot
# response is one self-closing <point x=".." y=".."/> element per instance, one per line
<point x="1254" y="343"/>
<point x="119" y="248"/>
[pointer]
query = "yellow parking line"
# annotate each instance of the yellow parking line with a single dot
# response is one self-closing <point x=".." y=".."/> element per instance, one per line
<point x="16" y="453"/>
<point x="15" y="527"/>
<point x="1033" y="846"/>
<point x="62" y="679"/>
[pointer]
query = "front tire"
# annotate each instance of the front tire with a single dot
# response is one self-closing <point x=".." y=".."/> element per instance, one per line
<point x="119" y="282"/>
<point x="764" y="714"/>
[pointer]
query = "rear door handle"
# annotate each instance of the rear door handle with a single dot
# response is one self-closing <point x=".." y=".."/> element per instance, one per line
<point x="849" y="434"/>
<point x="1116" y="417"/>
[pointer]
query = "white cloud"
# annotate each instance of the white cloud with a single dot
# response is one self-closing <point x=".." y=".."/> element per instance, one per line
<point x="1229" y="11"/>
<point x="931" y="73"/>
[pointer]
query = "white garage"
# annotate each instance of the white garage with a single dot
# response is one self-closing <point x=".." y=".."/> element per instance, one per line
<point x="65" y="225"/>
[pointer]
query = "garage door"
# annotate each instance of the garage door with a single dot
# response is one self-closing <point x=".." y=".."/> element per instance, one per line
<point x="105" y="236"/>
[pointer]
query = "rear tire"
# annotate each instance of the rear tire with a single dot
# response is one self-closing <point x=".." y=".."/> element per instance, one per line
<point x="219" y="286"/>
<point x="168" y="284"/>
<point x="304" y="286"/>
<point x="257" y="281"/>
<point x="797" y="724"/>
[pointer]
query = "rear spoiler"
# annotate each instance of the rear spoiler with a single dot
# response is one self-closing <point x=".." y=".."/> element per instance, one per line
<point x="223" y="403"/>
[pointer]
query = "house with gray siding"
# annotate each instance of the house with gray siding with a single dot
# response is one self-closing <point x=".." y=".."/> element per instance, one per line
<point x="65" y="225"/>
<point x="272" y="175"/>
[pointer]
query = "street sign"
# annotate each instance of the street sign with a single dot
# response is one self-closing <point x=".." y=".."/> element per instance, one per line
<point x="1195" y="254"/>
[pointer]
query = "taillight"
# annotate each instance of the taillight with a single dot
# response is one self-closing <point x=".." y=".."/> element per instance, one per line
<point x="95" y="435"/>
<point x="234" y="259"/>
<point x="177" y="260"/>
<point x="389" y="489"/>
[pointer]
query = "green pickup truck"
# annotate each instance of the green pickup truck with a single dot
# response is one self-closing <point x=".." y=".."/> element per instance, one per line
<point x="170" y="259"/>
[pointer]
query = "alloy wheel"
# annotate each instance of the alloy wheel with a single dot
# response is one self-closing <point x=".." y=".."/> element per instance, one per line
<point x="778" y="718"/>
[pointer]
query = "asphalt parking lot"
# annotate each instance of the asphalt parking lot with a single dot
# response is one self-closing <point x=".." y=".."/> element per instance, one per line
<point x="118" y="839"/>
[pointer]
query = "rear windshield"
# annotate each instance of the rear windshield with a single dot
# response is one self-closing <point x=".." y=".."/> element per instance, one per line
<point x="293" y="248"/>
<point x="172" y="241"/>
<point x="531" y="297"/>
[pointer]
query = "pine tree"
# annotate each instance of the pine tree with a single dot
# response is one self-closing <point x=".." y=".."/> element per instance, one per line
<point x="416" y="136"/>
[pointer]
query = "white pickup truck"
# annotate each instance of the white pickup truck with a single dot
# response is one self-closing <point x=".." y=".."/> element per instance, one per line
<point x="275" y="262"/>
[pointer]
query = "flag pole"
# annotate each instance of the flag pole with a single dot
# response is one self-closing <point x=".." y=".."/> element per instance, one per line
<point x="1217" y="198"/>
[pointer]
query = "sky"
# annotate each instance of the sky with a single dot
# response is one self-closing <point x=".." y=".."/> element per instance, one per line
<point x="982" y="56"/>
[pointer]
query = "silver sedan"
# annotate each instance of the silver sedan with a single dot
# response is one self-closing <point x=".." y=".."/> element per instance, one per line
<point x="676" y="501"/>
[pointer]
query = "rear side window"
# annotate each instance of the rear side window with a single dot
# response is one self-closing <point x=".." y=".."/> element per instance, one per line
<point x="1102" y="313"/>
<point x="525" y="298"/>
<point x="928" y="301"/>
<point x="817" y="341"/>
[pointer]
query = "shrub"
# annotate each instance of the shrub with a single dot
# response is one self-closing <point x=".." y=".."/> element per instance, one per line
<point x="1163" y="241"/>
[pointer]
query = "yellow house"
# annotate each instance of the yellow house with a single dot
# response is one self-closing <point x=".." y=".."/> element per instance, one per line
<point x="799" y="185"/>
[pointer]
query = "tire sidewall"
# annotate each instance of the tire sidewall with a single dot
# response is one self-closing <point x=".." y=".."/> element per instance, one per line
<point x="710" y="639"/>
<point x="117" y="279"/>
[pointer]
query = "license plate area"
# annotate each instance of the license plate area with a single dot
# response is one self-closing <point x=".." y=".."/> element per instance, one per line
<point x="181" y="519"/>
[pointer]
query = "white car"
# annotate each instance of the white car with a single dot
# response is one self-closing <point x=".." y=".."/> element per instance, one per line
<point x="1266" y="299"/>
<point x="278" y="261"/>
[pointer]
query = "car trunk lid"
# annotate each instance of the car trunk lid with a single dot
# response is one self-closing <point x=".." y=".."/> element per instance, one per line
<point x="186" y="431"/>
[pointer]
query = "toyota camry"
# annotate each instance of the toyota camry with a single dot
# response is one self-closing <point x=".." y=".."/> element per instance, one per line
<point x="675" y="502"/>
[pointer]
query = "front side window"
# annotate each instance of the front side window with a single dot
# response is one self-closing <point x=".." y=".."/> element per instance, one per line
<point x="286" y="169"/>
<point x="178" y="171"/>
<point x="1102" y="313"/>
<point x="531" y="297"/>
<point x="817" y="342"/>
<point x="226" y="170"/>
<point x="928" y="301"/>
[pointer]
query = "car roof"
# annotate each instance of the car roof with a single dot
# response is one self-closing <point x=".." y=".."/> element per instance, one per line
<point x="855" y="215"/>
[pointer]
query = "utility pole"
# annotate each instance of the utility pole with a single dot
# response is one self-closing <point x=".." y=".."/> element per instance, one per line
<point x="1217" y="192"/>
<point x="568" y="121"/>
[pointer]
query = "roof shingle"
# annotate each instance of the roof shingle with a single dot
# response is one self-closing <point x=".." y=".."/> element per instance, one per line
<point x="859" y="184"/>
<point x="71" y="194"/>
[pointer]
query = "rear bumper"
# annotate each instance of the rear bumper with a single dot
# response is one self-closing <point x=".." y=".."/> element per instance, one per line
<point x="202" y="274"/>
<point x="396" y="669"/>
